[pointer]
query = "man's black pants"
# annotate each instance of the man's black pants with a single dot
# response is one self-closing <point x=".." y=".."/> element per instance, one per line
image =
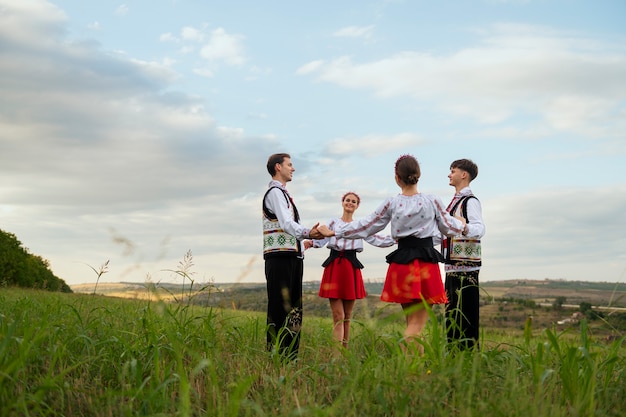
<point x="284" y="304"/>
<point x="462" y="310"/>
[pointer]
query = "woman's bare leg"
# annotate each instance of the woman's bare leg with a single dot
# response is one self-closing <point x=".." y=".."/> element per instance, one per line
<point x="348" y="306"/>
<point x="336" y="307"/>
<point x="416" y="318"/>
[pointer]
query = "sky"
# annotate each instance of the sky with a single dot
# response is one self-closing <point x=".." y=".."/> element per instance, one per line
<point x="138" y="132"/>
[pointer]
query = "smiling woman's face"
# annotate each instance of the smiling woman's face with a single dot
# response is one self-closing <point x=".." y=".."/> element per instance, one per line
<point x="350" y="202"/>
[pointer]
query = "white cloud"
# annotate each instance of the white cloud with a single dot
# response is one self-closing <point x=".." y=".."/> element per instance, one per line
<point x="224" y="47"/>
<point x="517" y="69"/>
<point x="192" y="34"/>
<point x="256" y="73"/>
<point x="561" y="223"/>
<point x="99" y="149"/>
<point x="186" y="50"/>
<point x="577" y="112"/>
<point x="93" y="140"/>
<point x="204" y="72"/>
<point x="364" y="32"/>
<point x="260" y="116"/>
<point x="168" y="37"/>
<point x="370" y="145"/>
<point x="310" y="67"/>
<point x="122" y="10"/>
<point x="214" y="48"/>
<point x="46" y="18"/>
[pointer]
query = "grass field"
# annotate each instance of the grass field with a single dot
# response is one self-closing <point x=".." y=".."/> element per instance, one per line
<point x="91" y="355"/>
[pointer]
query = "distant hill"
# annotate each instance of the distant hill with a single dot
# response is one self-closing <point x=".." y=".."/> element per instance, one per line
<point x="505" y="305"/>
<point x="575" y="292"/>
<point x="20" y="268"/>
<point x="252" y="296"/>
<point x="540" y="291"/>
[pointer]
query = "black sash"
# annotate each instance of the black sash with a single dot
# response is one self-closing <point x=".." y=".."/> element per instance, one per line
<point x="411" y="248"/>
<point x="350" y="255"/>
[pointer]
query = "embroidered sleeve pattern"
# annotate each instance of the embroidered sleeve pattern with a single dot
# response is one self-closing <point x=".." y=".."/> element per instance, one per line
<point x="451" y="225"/>
<point x="369" y="225"/>
<point x="380" y="241"/>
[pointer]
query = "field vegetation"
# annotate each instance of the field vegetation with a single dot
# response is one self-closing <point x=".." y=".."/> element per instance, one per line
<point x="199" y="350"/>
<point x="92" y="355"/>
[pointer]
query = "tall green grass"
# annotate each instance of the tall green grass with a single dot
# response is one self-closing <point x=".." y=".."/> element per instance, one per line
<point x="86" y="355"/>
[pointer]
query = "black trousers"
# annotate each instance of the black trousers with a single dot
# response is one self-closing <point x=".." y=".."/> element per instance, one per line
<point x="462" y="310"/>
<point x="284" y="304"/>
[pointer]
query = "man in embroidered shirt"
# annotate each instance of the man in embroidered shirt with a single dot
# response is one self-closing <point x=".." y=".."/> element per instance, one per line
<point x="463" y="264"/>
<point x="283" y="254"/>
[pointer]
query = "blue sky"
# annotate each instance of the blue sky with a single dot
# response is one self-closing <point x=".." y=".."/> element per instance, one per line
<point x="135" y="132"/>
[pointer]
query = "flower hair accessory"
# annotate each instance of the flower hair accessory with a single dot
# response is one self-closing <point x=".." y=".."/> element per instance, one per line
<point x="402" y="157"/>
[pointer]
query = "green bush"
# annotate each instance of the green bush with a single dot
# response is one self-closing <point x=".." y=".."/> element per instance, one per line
<point x="20" y="268"/>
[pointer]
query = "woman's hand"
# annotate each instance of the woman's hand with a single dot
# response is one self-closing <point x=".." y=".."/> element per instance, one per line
<point x="462" y="219"/>
<point x="325" y="231"/>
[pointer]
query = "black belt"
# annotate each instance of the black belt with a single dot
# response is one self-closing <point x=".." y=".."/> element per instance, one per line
<point x="350" y="255"/>
<point x="415" y="242"/>
<point x="411" y="248"/>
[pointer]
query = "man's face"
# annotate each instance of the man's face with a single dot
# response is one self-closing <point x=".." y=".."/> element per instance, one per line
<point x="285" y="171"/>
<point x="456" y="176"/>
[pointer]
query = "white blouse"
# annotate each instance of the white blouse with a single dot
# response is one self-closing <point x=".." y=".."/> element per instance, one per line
<point x="341" y="244"/>
<point x="419" y="215"/>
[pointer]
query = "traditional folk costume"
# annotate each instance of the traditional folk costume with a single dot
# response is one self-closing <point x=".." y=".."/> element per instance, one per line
<point x="463" y="261"/>
<point x="283" y="254"/>
<point x="342" y="278"/>
<point x="413" y="274"/>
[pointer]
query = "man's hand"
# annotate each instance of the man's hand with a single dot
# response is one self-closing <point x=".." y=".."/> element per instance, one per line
<point x="325" y="231"/>
<point x="315" y="233"/>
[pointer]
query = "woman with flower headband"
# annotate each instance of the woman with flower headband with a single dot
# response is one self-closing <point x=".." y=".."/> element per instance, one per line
<point x="342" y="282"/>
<point x="413" y="276"/>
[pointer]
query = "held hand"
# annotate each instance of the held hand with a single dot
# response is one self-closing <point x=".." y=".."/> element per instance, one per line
<point x="315" y="233"/>
<point x="325" y="231"/>
<point x="307" y="243"/>
<point x="462" y="219"/>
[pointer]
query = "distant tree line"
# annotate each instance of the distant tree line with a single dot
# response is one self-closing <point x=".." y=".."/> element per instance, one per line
<point x="20" y="268"/>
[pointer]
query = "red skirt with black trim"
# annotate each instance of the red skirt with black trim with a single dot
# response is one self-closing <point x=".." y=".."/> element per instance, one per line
<point x="342" y="280"/>
<point x="414" y="282"/>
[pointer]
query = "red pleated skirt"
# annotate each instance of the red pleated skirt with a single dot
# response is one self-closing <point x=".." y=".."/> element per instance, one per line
<point x="342" y="280"/>
<point x="414" y="282"/>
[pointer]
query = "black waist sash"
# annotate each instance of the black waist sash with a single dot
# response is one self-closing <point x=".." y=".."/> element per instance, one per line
<point x="411" y="248"/>
<point x="350" y="255"/>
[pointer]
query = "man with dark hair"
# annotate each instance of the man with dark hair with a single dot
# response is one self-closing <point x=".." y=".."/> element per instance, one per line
<point x="463" y="258"/>
<point x="283" y="254"/>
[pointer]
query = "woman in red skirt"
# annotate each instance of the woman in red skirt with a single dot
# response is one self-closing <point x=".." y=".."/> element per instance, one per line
<point x="413" y="276"/>
<point x="342" y="282"/>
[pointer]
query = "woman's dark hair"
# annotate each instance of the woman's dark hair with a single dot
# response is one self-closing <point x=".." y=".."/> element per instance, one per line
<point x="408" y="169"/>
